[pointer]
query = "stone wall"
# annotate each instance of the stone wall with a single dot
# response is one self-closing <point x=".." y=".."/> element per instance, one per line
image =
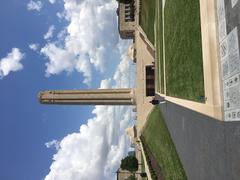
<point x="229" y="33"/>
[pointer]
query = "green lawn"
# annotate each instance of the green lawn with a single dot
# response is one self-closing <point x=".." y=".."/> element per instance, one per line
<point x="183" y="49"/>
<point x="146" y="19"/>
<point x="160" y="143"/>
<point x="159" y="46"/>
<point x="151" y="18"/>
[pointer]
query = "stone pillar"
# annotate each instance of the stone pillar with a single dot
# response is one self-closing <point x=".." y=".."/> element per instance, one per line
<point x="89" y="97"/>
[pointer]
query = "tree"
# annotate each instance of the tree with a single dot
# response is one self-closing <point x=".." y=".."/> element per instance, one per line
<point x="129" y="163"/>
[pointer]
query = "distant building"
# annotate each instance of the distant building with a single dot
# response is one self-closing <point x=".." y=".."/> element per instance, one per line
<point x="126" y="18"/>
<point x="123" y="174"/>
<point x="132" y="133"/>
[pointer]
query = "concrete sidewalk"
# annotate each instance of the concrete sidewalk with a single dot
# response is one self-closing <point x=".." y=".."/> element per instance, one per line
<point x="207" y="148"/>
<point x="144" y="57"/>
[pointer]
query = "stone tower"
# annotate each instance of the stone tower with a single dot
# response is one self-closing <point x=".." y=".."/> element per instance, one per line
<point x="89" y="97"/>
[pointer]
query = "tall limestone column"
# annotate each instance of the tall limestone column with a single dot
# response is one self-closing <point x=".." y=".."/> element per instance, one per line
<point x="89" y="97"/>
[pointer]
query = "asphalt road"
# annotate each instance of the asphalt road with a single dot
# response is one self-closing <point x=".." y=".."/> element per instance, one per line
<point x="208" y="149"/>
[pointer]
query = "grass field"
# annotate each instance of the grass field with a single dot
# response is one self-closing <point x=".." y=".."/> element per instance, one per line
<point x="146" y="19"/>
<point x="183" y="49"/>
<point x="159" y="141"/>
<point x="182" y="46"/>
<point x="159" y="47"/>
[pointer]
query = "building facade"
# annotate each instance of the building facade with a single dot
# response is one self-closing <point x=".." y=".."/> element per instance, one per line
<point x="126" y="19"/>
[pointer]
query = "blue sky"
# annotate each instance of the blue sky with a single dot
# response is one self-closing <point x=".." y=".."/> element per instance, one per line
<point x="83" y="51"/>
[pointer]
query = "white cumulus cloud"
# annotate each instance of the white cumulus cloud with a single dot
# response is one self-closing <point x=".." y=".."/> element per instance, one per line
<point x="59" y="59"/>
<point x="95" y="152"/>
<point x="49" y="33"/>
<point x="62" y="60"/>
<point x="54" y="143"/>
<point x="89" y="42"/>
<point x="60" y="15"/>
<point x="91" y="36"/>
<point x="11" y="62"/>
<point x="34" y="5"/>
<point x="52" y="1"/>
<point x="33" y="46"/>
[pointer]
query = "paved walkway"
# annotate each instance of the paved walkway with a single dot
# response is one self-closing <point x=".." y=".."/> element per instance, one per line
<point x="207" y="148"/>
<point x="144" y="57"/>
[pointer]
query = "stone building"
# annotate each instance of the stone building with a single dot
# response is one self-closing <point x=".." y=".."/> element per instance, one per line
<point x="126" y="18"/>
<point x="123" y="174"/>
